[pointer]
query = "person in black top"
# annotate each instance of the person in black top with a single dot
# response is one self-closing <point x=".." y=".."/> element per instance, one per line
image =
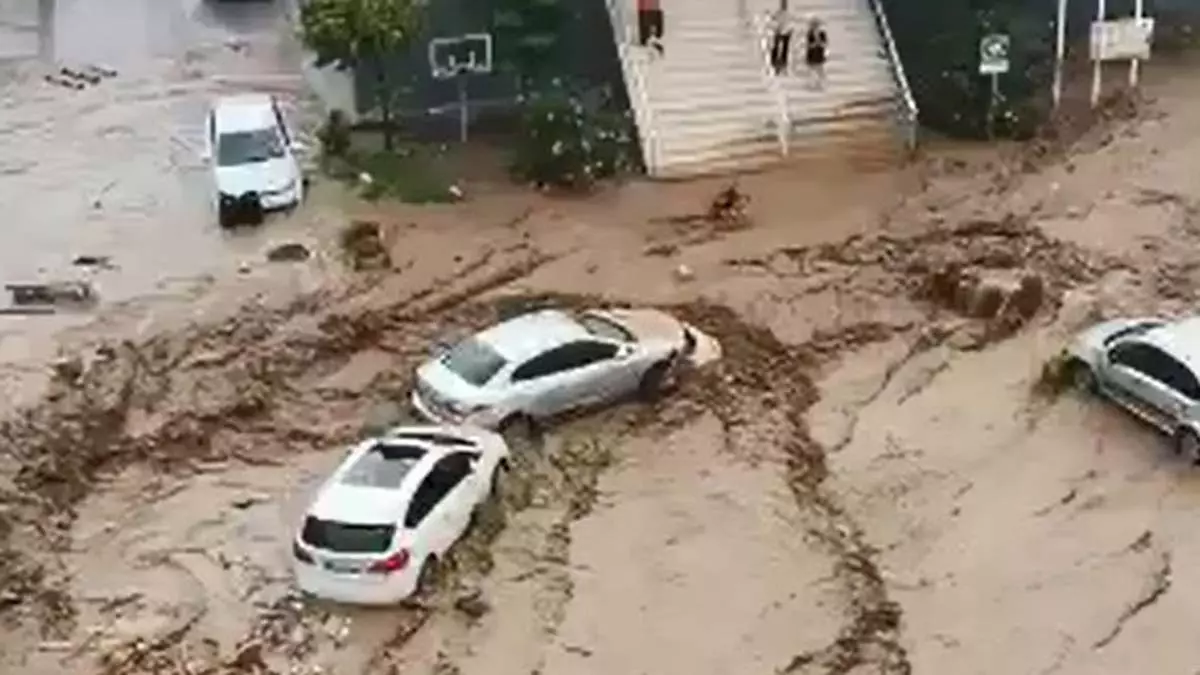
<point x="816" y="45"/>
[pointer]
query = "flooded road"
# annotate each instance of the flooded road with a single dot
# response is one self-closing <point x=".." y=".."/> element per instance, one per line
<point x="113" y="169"/>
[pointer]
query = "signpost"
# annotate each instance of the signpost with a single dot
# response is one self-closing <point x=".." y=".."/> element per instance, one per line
<point x="457" y="58"/>
<point x="1119" y="40"/>
<point x="993" y="62"/>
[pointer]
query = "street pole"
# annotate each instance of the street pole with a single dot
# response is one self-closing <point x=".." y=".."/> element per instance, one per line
<point x="1060" y="51"/>
<point x="1139" y="10"/>
<point x="1097" y="68"/>
<point x="992" y="102"/>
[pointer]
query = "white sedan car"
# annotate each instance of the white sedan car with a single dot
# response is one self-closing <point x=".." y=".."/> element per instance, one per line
<point x="392" y="509"/>
<point x="548" y="362"/>
<point x="253" y="157"/>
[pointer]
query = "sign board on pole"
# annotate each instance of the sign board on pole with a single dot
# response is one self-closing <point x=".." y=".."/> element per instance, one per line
<point x="993" y="54"/>
<point x="1121" y="39"/>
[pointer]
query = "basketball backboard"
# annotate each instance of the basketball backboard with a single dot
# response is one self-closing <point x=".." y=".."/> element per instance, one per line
<point x="470" y="53"/>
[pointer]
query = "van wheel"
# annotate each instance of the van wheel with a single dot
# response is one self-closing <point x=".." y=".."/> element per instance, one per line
<point x="651" y="384"/>
<point x="1187" y="443"/>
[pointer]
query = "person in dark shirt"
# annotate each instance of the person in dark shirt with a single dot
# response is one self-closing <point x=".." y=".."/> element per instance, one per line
<point x="816" y="47"/>
<point x="651" y="24"/>
<point x="781" y="37"/>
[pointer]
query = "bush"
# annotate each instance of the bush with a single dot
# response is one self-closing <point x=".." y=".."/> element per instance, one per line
<point x="566" y="140"/>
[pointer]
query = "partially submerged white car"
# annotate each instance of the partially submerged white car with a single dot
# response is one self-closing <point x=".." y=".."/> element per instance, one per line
<point x="551" y="361"/>
<point x="392" y="509"/>
<point x="253" y="156"/>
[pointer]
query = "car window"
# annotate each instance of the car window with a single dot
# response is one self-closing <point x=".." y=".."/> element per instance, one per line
<point x="1175" y="375"/>
<point x="249" y="147"/>
<point x="605" y="328"/>
<point x="385" y="465"/>
<point x="546" y="363"/>
<point x="1131" y="355"/>
<point x="474" y="361"/>
<point x="564" y="358"/>
<point x="442" y="478"/>
<point x="331" y="535"/>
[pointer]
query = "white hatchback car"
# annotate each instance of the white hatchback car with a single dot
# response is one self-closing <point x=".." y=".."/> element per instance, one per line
<point x="547" y="362"/>
<point x="253" y="156"/>
<point x="392" y="509"/>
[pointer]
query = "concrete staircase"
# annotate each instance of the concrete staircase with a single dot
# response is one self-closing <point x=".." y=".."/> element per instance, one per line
<point x="711" y="106"/>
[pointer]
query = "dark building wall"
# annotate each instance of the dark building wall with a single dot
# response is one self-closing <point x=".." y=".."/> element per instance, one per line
<point x="589" y="57"/>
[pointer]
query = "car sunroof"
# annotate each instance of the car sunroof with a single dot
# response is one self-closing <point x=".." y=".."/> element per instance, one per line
<point x="384" y="466"/>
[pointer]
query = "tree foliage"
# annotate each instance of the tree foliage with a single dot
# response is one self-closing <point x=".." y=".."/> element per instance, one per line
<point x="364" y="34"/>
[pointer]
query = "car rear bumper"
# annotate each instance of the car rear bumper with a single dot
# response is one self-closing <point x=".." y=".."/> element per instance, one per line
<point x="356" y="589"/>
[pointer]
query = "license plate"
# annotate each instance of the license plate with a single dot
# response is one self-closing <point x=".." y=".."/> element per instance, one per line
<point x="343" y="567"/>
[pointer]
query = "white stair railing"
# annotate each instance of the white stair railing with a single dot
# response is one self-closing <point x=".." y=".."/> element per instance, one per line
<point x="633" y="58"/>
<point x="909" y="114"/>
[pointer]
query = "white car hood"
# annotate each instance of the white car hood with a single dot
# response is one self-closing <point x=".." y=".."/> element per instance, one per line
<point x="273" y="175"/>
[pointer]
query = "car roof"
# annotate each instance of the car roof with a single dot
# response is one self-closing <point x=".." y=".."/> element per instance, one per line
<point x="1180" y="339"/>
<point x="523" y="337"/>
<point x="346" y="497"/>
<point x="243" y="112"/>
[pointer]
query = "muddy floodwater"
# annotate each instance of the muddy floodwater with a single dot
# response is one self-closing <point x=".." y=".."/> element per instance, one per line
<point x="113" y="169"/>
<point x="880" y="475"/>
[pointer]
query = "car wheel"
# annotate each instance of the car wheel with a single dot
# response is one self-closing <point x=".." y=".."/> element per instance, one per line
<point x="651" y="385"/>
<point x="1082" y="377"/>
<point x="520" y="431"/>
<point x="1187" y="443"/>
<point x="427" y="580"/>
<point x="225" y="218"/>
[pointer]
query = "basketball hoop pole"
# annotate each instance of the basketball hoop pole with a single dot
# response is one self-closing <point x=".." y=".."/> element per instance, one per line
<point x="463" y="112"/>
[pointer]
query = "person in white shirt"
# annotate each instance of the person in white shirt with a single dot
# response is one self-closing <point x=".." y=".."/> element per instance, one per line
<point x="781" y="37"/>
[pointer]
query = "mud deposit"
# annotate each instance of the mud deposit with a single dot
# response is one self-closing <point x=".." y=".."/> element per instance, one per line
<point x="237" y="419"/>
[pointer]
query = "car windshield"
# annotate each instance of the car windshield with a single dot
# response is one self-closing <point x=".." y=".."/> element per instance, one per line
<point x="249" y="147"/>
<point x="473" y="361"/>
<point x="605" y="328"/>
<point x="331" y="535"/>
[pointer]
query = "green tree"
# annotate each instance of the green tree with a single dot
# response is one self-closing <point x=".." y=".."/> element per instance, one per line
<point x="364" y="35"/>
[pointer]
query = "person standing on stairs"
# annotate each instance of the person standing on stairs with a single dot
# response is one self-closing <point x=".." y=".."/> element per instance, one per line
<point x="816" y="46"/>
<point x="781" y="37"/>
<point x="650" y="24"/>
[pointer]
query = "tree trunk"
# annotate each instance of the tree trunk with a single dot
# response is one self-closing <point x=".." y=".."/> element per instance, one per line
<point x="383" y="98"/>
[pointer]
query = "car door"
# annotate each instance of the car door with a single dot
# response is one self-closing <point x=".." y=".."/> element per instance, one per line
<point x="569" y="376"/>
<point x="607" y="373"/>
<point x="1173" y="389"/>
<point x="437" y="510"/>
<point x="1134" y="376"/>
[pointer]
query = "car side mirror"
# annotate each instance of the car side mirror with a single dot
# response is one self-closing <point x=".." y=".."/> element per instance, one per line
<point x="440" y="348"/>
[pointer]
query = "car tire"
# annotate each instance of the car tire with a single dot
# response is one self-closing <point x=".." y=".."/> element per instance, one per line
<point x="1187" y="443"/>
<point x="428" y="577"/>
<point x="520" y="431"/>
<point x="225" y="219"/>
<point x="651" y="385"/>
<point x="1081" y="376"/>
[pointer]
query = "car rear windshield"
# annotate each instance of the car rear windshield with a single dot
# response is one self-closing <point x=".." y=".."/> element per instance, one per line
<point x="330" y="535"/>
<point x="249" y="147"/>
<point x="473" y="361"/>
<point x="605" y="328"/>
